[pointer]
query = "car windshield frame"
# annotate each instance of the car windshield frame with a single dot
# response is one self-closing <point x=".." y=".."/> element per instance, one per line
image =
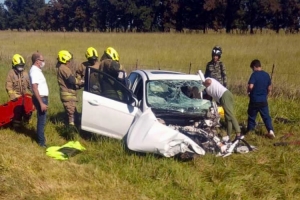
<point x="177" y="96"/>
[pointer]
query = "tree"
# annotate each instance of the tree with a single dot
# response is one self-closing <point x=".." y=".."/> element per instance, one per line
<point x="3" y="17"/>
<point x="24" y="13"/>
<point x="216" y="13"/>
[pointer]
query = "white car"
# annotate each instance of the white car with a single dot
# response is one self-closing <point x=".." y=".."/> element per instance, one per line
<point x="148" y="111"/>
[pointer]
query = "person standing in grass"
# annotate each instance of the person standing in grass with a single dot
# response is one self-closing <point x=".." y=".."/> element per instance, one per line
<point x="259" y="87"/>
<point x="92" y="61"/>
<point x="68" y="85"/>
<point x="225" y="98"/>
<point x="17" y="84"/>
<point x="40" y="95"/>
<point x="215" y="68"/>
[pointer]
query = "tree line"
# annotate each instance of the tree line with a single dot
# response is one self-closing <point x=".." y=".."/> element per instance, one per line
<point x="150" y="15"/>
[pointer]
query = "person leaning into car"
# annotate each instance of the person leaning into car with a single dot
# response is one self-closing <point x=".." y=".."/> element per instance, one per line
<point x="223" y="96"/>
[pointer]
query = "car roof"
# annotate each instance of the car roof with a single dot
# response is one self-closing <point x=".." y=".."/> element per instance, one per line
<point x="166" y="75"/>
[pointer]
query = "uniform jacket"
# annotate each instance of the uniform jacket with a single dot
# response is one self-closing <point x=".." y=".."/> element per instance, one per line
<point x="81" y="70"/>
<point x="110" y="67"/>
<point x="17" y="83"/>
<point x="67" y="83"/>
<point x="217" y="71"/>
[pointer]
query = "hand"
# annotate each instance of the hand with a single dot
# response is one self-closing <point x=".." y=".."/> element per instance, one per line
<point x="44" y="107"/>
<point x="14" y="100"/>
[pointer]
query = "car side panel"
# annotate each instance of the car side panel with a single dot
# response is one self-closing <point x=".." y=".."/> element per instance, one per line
<point x="105" y="116"/>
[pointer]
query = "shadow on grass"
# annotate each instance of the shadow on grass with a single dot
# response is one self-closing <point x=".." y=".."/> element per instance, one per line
<point x="58" y="118"/>
<point x="70" y="132"/>
<point x="24" y="130"/>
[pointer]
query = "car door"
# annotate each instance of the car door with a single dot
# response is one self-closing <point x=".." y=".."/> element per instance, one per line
<point x="106" y="105"/>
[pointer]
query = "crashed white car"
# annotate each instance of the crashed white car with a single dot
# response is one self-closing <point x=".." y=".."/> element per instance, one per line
<point x="153" y="111"/>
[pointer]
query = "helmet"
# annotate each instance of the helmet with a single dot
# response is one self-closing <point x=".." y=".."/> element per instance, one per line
<point x="112" y="53"/>
<point x="18" y="60"/>
<point x="216" y="51"/>
<point x="64" y="56"/>
<point x="91" y="53"/>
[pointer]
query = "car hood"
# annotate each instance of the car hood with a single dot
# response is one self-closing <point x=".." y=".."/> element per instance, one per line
<point x="147" y="134"/>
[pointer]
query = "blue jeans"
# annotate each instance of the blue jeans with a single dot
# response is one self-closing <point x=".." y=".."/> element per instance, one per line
<point x="41" y="120"/>
<point x="263" y="109"/>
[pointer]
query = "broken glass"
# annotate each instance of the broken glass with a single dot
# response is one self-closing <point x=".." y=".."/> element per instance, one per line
<point x="177" y="95"/>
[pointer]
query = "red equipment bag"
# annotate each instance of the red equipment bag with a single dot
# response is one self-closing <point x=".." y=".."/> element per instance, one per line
<point x="7" y="110"/>
<point x="28" y="105"/>
<point x="7" y="113"/>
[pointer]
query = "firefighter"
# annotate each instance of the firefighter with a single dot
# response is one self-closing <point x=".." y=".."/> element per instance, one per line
<point x="109" y="64"/>
<point x="68" y="83"/>
<point x="92" y="61"/>
<point x="17" y="85"/>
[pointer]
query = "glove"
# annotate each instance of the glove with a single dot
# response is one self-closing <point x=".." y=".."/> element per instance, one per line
<point x="14" y="100"/>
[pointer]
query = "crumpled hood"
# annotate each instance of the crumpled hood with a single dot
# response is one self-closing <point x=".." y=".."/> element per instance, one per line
<point x="148" y="135"/>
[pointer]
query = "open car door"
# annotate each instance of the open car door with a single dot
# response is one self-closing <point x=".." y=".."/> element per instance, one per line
<point x="108" y="107"/>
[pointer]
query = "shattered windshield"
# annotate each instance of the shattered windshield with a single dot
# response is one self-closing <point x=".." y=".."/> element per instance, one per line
<point x="177" y="95"/>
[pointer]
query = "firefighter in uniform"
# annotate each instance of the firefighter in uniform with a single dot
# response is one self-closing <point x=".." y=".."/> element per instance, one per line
<point x="215" y="68"/>
<point x="68" y="84"/>
<point x="92" y="61"/>
<point x="18" y="84"/>
<point x="109" y="64"/>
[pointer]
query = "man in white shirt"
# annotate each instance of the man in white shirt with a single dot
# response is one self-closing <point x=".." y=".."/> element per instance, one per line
<point x="222" y="95"/>
<point x="40" y="95"/>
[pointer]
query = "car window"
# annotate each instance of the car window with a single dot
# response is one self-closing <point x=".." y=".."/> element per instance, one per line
<point x="105" y="85"/>
<point x="176" y="95"/>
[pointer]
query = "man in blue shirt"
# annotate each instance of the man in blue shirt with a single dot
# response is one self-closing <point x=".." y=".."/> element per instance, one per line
<point x="259" y="87"/>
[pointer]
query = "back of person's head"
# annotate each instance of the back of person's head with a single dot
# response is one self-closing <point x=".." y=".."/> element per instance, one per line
<point x="255" y="63"/>
<point x="113" y="54"/>
<point x="64" y="56"/>
<point x="35" y="57"/>
<point x="91" y="54"/>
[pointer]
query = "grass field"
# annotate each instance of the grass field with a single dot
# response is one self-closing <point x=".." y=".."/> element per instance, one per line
<point x="106" y="170"/>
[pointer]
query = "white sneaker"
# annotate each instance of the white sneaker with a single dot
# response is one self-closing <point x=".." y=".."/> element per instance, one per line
<point x="271" y="134"/>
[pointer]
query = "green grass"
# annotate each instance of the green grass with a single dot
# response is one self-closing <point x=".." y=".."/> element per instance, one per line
<point x="107" y="170"/>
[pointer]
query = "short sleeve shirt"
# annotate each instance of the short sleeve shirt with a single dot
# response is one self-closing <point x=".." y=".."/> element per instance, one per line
<point x="261" y="81"/>
<point x="37" y="77"/>
<point x="215" y="90"/>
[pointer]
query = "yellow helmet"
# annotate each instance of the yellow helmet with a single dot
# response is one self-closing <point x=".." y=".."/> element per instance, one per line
<point x="112" y="53"/>
<point x="91" y="53"/>
<point x="18" y="60"/>
<point x="64" y="56"/>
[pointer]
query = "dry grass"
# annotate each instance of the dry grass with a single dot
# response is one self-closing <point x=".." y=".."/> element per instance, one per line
<point x="106" y="170"/>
